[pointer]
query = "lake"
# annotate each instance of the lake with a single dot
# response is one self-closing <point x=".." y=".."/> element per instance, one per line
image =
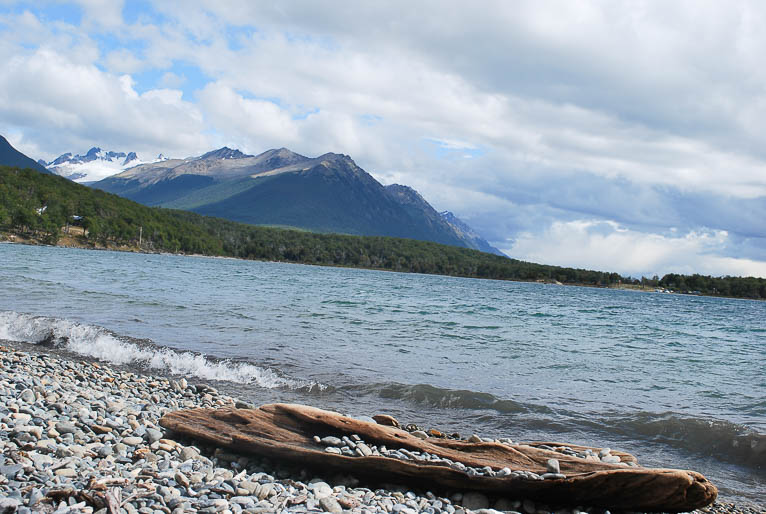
<point x="676" y="380"/>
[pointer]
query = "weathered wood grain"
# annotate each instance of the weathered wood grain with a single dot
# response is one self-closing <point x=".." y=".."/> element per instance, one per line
<point x="285" y="431"/>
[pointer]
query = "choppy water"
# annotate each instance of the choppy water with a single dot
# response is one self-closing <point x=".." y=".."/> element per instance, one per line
<point x="679" y="381"/>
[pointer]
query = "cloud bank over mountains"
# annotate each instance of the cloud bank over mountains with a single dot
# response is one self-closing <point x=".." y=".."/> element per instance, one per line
<point x="623" y="136"/>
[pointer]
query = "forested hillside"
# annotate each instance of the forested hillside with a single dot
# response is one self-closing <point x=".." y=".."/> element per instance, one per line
<point x="38" y="206"/>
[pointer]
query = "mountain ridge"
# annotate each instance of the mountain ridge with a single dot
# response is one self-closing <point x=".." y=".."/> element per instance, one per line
<point x="96" y="164"/>
<point x="9" y="156"/>
<point x="329" y="193"/>
<point x="469" y="233"/>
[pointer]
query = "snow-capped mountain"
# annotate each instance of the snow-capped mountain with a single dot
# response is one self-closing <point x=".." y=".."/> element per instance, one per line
<point x="95" y="165"/>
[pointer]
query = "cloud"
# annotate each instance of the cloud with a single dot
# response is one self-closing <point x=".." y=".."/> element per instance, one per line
<point x="123" y="61"/>
<point x="75" y="106"/>
<point x="516" y="116"/>
<point x="171" y="80"/>
<point x="605" y="245"/>
<point x="102" y="13"/>
<point x="620" y="93"/>
<point x="259" y="121"/>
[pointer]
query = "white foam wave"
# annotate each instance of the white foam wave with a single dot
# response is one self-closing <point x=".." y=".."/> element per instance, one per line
<point x="93" y="341"/>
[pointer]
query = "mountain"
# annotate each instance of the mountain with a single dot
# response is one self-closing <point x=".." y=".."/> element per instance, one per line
<point x="9" y="156"/>
<point x="95" y="165"/>
<point x="329" y="193"/>
<point x="468" y="234"/>
<point x="417" y="206"/>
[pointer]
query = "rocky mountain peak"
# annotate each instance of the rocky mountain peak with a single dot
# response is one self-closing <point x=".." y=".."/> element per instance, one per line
<point x="278" y="158"/>
<point x="405" y="194"/>
<point x="224" y="153"/>
<point x="449" y="216"/>
<point x="61" y="159"/>
<point x="130" y="158"/>
<point x="328" y="193"/>
<point x="337" y="160"/>
<point x="94" y="165"/>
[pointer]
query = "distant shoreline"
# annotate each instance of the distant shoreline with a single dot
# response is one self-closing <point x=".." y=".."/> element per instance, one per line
<point x="67" y="241"/>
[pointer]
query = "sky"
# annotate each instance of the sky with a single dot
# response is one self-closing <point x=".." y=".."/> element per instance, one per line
<point x="625" y="136"/>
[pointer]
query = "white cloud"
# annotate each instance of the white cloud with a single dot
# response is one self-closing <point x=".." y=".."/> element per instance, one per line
<point x="123" y="61"/>
<point x="452" y="144"/>
<point x="102" y="13"/>
<point x="82" y="106"/>
<point x="605" y="245"/>
<point x="253" y="120"/>
<point x="649" y="114"/>
<point x="172" y="80"/>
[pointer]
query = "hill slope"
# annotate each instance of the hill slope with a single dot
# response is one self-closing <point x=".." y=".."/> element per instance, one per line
<point x="329" y="193"/>
<point x="9" y="156"/>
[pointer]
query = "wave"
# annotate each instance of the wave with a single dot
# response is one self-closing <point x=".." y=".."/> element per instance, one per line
<point x="722" y="440"/>
<point x="432" y="396"/>
<point x="99" y="343"/>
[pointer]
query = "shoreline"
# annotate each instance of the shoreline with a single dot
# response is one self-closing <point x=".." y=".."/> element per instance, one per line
<point x="72" y="242"/>
<point x="84" y="433"/>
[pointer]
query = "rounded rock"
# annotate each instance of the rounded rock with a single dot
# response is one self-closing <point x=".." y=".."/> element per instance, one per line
<point x="27" y="396"/>
<point x="475" y="501"/>
<point x="330" y="504"/>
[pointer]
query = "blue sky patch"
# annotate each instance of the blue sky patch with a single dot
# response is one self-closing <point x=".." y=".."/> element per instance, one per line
<point x="235" y="36"/>
<point x="192" y="79"/>
<point x="451" y="150"/>
<point x="142" y="11"/>
<point x="65" y="12"/>
<point x="370" y="119"/>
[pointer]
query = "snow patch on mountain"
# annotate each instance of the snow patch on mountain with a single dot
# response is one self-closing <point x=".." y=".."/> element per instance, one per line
<point x="95" y="165"/>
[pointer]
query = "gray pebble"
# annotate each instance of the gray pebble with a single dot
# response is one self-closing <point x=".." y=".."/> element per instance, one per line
<point x="65" y="427"/>
<point x="475" y="501"/>
<point x="9" y="505"/>
<point x="84" y="428"/>
<point x="331" y="441"/>
<point x="330" y="504"/>
<point x="153" y="435"/>
<point x="27" y="396"/>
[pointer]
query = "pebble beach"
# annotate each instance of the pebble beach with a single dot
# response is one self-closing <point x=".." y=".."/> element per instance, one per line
<point x="81" y="436"/>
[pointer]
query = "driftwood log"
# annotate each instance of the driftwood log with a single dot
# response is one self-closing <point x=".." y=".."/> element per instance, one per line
<point x="285" y="432"/>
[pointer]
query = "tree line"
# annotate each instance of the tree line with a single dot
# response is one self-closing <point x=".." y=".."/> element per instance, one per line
<point x="39" y="206"/>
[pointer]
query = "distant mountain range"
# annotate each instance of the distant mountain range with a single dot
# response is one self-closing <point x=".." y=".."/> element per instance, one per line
<point x="9" y="156"/>
<point x="95" y="165"/>
<point x="329" y="193"/>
